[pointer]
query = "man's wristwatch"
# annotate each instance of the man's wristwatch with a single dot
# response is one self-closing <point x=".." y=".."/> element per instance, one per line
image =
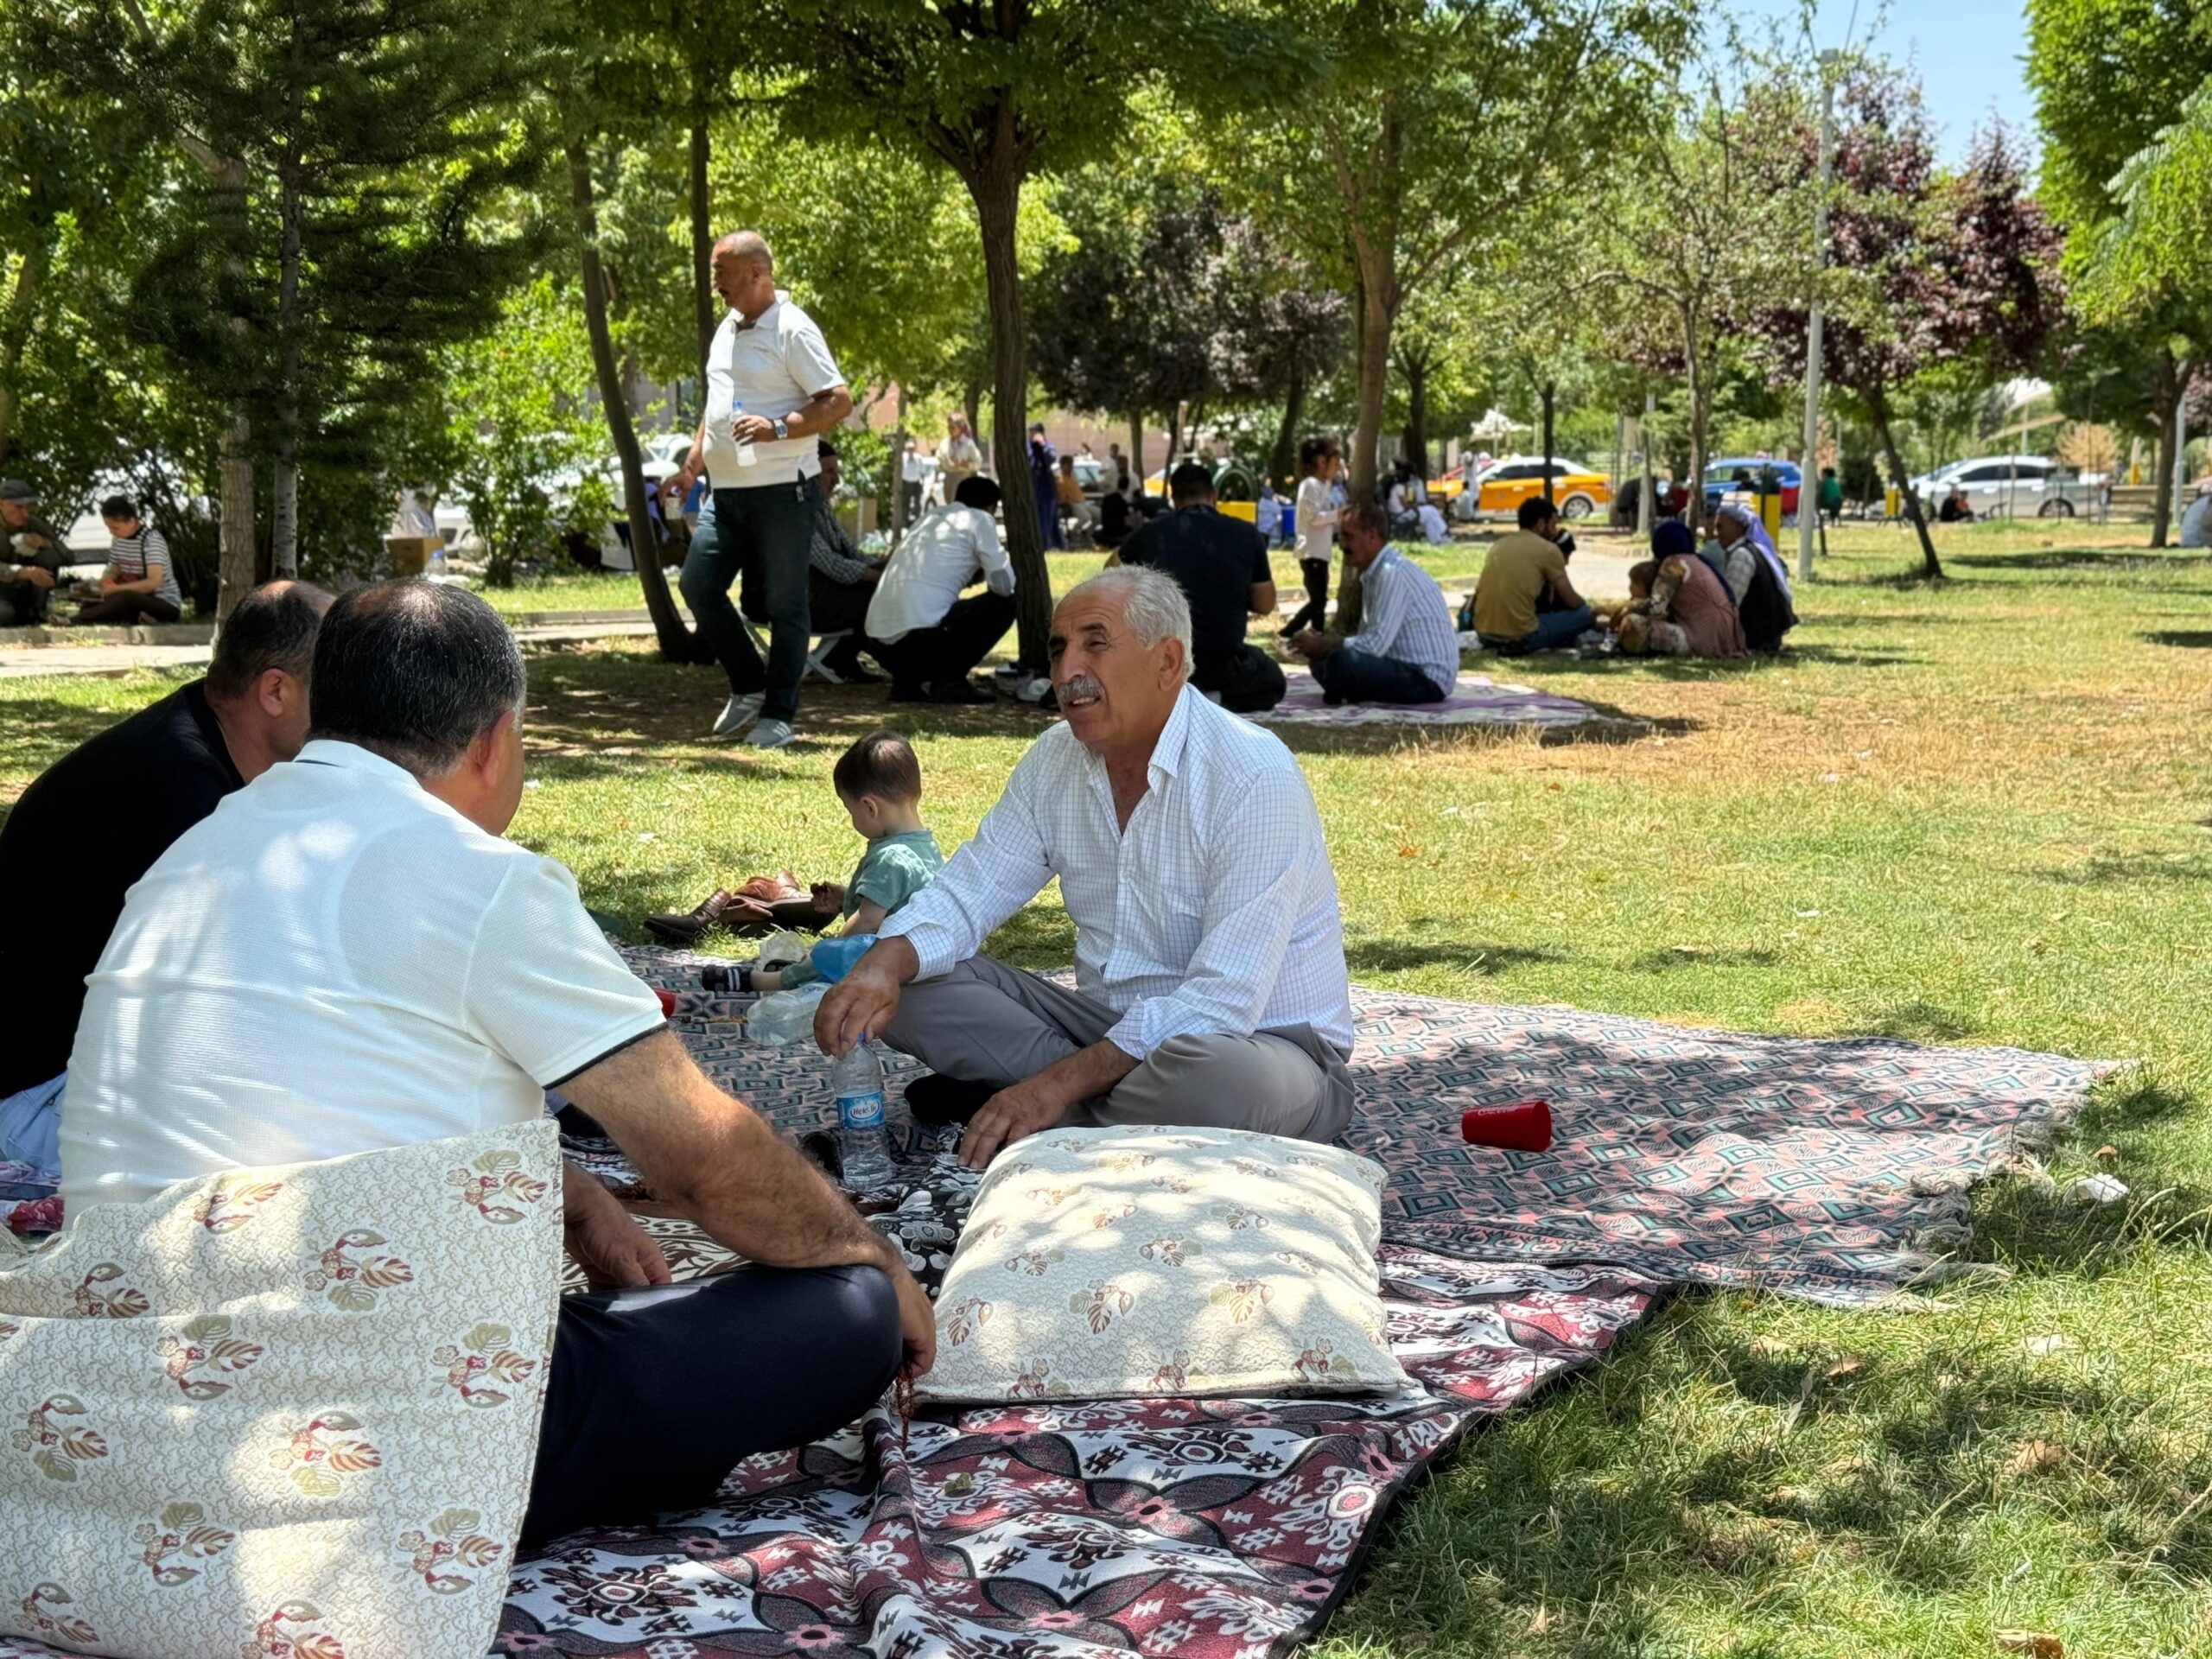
<point x="782" y="429"/>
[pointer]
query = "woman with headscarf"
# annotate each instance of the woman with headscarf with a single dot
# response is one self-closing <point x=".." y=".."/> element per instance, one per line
<point x="1765" y="599"/>
<point x="1680" y="606"/>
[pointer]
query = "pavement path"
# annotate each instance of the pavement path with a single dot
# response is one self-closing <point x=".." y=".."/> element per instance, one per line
<point x="1597" y="571"/>
<point x="26" y="662"/>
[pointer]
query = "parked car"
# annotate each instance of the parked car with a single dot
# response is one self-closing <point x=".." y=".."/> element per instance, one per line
<point x="2010" y="486"/>
<point x="1720" y="480"/>
<point x="1500" y="488"/>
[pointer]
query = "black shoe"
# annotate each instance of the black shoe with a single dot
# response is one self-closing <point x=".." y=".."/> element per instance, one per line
<point x="854" y="672"/>
<point x="933" y="1099"/>
<point x="958" y="691"/>
<point x="909" y="692"/>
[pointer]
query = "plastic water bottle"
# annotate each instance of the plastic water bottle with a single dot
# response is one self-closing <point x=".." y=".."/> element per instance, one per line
<point x="437" y="572"/>
<point x="857" y="1078"/>
<point x="745" y="455"/>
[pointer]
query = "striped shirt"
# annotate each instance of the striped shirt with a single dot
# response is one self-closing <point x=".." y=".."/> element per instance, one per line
<point x="1214" y="912"/>
<point x="130" y="555"/>
<point x="1406" y="619"/>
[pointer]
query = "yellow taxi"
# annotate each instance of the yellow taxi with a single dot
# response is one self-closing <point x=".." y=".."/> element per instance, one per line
<point x="1500" y="488"/>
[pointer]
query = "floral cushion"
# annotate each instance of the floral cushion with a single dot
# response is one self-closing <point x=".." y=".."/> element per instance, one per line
<point x="1099" y="1263"/>
<point x="280" y="1411"/>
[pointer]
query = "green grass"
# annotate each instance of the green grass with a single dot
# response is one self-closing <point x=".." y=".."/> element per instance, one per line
<point x="1975" y="813"/>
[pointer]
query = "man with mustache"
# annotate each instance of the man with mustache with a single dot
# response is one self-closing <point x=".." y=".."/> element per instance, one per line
<point x="1210" y="966"/>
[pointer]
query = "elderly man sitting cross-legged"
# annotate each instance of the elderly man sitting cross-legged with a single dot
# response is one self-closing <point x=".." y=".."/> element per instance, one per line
<point x="349" y="957"/>
<point x="1210" y="963"/>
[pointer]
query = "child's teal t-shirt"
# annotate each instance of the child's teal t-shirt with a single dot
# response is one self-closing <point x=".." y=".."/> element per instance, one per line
<point x="893" y="869"/>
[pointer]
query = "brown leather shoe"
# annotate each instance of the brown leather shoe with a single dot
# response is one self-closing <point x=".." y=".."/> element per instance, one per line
<point x="724" y="909"/>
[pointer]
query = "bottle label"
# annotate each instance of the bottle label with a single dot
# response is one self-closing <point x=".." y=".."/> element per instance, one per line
<point x="860" y="1111"/>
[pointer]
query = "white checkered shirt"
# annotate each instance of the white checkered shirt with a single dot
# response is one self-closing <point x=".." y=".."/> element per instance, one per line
<point x="1214" y="911"/>
<point x="1406" y="619"/>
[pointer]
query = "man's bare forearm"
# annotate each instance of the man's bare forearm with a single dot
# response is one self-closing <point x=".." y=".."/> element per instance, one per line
<point x="1086" y="1074"/>
<point x="715" y="1159"/>
<point x="819" y="413"/>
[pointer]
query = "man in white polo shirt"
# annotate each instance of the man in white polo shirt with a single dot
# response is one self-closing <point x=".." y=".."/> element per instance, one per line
<point x="346" y="956"/>
<point x="773" y="389"/>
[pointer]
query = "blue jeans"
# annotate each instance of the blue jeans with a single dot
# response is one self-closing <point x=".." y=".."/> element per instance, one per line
<point x="31" y="1125"/>
<point x="1553" y="628"/>
<point x="762" y="531"/>
<point x="1351" y="675"/>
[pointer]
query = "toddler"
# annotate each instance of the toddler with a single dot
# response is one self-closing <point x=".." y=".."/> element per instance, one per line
<point x="879" y="782"/>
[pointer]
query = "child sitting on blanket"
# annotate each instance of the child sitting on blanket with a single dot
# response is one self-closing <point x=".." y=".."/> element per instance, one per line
<point x="878" y="783"/>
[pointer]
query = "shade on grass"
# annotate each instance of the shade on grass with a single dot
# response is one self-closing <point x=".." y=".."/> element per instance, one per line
<point x="1976" y="813"/>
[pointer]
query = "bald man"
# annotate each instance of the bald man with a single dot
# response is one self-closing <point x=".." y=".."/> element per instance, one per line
<point x="773" y="389"/>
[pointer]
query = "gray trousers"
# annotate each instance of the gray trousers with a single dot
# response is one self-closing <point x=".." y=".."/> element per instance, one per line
<point x="985" y="1022"/>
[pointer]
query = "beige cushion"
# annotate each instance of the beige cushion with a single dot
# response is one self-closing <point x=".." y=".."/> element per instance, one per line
<point x="1131" y="1261"/>
<point x="283" y="1410"/>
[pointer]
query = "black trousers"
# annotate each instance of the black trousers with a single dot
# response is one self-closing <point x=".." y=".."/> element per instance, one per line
<point x="1246" y="679"/>
<point x="656" y="1394"/>
<point x="1315" y="612"/>
<point x="945" y="653"/>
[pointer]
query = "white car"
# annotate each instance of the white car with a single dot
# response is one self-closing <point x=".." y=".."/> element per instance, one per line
<point x="2009" y="487"/>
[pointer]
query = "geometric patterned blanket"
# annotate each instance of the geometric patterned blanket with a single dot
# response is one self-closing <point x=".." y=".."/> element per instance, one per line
<point x="1477" y="700"/>
<point x="1228" y="1528"/>
<point x="1823" y="1168"/>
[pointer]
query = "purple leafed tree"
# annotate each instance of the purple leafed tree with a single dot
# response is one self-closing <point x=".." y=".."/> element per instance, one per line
<point x="1927" y="267"/>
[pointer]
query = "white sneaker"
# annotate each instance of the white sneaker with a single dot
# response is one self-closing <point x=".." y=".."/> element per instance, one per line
<point x="737" y="713"/>
<point x="771" y="735"/>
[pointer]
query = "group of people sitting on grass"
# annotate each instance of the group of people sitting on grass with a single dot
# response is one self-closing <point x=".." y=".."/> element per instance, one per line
<point x="139" y="584"/>
<point x="303" y="934"/>
<point x="1730" y="596"/>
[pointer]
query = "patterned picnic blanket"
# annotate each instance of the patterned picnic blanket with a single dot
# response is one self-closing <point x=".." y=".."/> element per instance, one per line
<point x="1228" y="1528"/>
<point x="1830" y="1169"/>
<point x="1477" y="700"/>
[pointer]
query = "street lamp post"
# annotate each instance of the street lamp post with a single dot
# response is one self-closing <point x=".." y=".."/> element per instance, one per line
<point x="1809" y="468"/>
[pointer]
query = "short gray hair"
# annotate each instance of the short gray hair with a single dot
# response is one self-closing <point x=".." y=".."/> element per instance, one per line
<point x="1153" y="604"/>
<point x="415" y="671"/>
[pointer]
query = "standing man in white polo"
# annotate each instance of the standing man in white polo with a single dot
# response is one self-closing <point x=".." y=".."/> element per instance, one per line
<point x="773" y="389"/>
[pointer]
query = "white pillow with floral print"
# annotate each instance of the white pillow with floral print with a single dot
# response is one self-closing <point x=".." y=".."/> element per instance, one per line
<point x="1114" y="1262"/>
<point x="286" y="1411"/>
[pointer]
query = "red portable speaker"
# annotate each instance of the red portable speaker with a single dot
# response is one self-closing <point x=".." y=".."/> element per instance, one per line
<point x="1525" y="1126"/>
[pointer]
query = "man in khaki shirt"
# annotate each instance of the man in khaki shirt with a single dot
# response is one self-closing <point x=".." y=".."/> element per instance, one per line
<point x="1523" y="600"/>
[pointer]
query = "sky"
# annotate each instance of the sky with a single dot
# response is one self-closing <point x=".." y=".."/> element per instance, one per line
<point x="1969" y="54"/>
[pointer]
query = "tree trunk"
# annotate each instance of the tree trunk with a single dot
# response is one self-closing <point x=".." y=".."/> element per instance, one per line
<point x="1551" y="483"/>
<point x="237" y="563"/>
<point x="1376" y="313"/>
<point x="1415" y="369"/>
<point x="1137" y="451"/>
<point x="15" y="332"/>
<point x="702" y="239"/>
<point x="898" y="474"/>
<point x="1878" y="407"/>
<point x="1282" y="463"/>
<point x="284" y="483"/>
<point x="1700" y="390"/>
<point x="2166" y="394"/>
<point x="995" y="188"/>
<point x="677" y="643"/>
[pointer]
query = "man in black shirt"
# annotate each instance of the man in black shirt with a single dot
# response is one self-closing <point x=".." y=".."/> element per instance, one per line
<point x="1221" y="564"/>
<point x="31" y="556"/>
<point x="96" y="820"/>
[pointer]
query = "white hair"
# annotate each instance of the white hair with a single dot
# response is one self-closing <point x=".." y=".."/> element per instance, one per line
<point x="1153" y="604"/>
